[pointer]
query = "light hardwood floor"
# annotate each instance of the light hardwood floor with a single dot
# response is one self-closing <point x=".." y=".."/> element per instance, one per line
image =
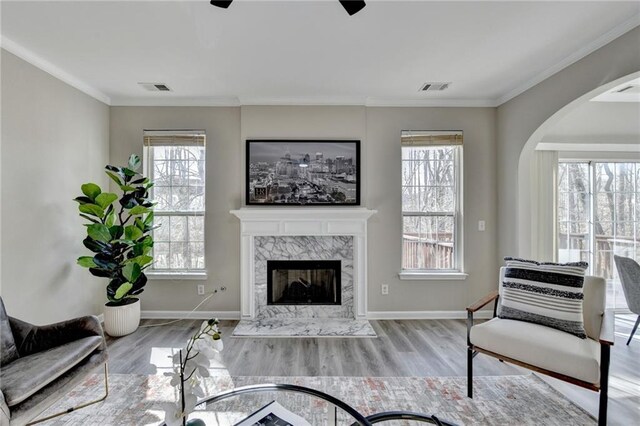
<point x="403" y="348"/>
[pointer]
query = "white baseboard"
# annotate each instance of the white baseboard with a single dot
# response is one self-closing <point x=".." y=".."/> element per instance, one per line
<point x="416" y="315"/>
<point x="379" y="315"/>
<point x="223" y="315"/>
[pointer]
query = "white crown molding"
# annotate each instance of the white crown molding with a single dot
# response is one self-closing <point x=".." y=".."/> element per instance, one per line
<point x="46" y="66"/>
<point x="301" y="101"/>
<point x="176" y="101"/>
<point x="419" y="315"/>
<point x="443" y="102"/>
<point x="596" y="44"/>
<point x="203" y="315"/>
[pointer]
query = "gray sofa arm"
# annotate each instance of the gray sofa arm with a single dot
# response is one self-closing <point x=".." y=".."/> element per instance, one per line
<point x="31" y="338"/>
<point x="5" y="414"/>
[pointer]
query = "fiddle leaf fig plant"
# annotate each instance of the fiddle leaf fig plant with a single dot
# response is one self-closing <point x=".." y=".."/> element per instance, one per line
<point x="119" y="233"/>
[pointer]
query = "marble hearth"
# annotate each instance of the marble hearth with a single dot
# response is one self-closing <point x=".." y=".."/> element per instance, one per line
<point x="303" y="234"/>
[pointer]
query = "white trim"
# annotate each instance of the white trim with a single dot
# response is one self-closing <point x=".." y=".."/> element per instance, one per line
<point x="177" y="276"/>
<point x="429" y="102"/>
<point x="429" y="315"/>
<point x="584" y="51"/>
<point x="167" y="100"/>
<point x="432" y="276"/>
<point x="164" y="100"/>
<point x="46" y="66"/>
<point x="603" y="146"/>
<point x="223" y="315"/>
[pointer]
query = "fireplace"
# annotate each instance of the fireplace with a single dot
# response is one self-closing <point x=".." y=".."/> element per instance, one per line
<point x="304" y="282"/>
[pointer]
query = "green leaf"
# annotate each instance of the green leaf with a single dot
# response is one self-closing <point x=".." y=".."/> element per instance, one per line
<point x="134" y="162"/>
<point x="99" y="232"/>
<point x="92" y="209"/>
<point x="111" y="219"/>
<point x="116" y="231"/>
<point x="139" y="224"/>
<point x="105" y="199"/>
<point x="132" y="232"/>
<point x="128" y="172"/>
<point x="86" y="262"/>
<point x="141" y="260"/>
<point x="131" y="271"/>
<point x="83" y="200"/>
<point x="115" y="177"/>
<point x="127" y="188"/>
<point x="123" y="290"/>
<point x="148" y="220"/>
<point x="89" y="218"/>
<point x="91" y="190"/>
<point x="138" y="210"/>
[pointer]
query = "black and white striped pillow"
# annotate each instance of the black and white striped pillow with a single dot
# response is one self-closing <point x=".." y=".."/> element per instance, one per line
<point x="549" y="294"/>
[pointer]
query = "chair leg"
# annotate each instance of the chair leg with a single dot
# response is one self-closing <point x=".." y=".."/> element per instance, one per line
<point x="86" y="404"/>
<point x="635" y="327"/>
<point x="470" y="372"/>
<point x="605" y="354"/>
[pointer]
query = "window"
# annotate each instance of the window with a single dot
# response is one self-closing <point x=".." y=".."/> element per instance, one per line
<point x="175" y="161"/>
<point x="599" y="216"/>
<point x="431" y="202"/>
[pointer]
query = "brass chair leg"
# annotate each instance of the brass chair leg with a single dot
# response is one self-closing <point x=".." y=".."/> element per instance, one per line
<point x="86" y="404"/>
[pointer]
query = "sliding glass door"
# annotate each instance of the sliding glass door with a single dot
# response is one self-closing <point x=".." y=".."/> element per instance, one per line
<point x="599" y="216"/>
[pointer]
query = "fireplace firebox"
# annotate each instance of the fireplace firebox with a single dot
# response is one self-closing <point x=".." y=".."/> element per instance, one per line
<point x="303" y="282"/>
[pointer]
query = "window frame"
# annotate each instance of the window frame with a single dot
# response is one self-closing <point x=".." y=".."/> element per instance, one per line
<point x="148" y="163"/>
<point x="591" y="163"/>
<point x="457" y="273"/>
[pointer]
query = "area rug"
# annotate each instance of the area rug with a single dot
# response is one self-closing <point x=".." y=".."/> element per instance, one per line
<point x="501" y="400"/>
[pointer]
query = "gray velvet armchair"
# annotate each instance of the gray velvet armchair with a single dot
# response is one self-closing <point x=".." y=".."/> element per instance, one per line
<point x="38" y="364"/>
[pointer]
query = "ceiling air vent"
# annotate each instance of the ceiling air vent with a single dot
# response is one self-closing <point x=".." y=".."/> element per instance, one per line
<point x="434" y="86"/>
<point x="155" y="87"/>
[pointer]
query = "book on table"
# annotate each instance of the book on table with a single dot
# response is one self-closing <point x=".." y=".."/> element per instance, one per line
<point x="273" y="414"/>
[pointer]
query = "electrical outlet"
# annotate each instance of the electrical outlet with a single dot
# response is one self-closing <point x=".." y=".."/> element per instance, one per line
<point x="481" y="225"/>
<point x="384" y="289"/>
<point x="200" y="289"/>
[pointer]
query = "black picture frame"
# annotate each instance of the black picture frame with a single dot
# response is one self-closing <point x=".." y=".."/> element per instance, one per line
<point x="295" y="172"/>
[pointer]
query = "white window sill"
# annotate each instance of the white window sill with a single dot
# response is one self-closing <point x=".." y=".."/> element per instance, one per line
<point x="432" y="276"/>
<point x="176" y="275"/>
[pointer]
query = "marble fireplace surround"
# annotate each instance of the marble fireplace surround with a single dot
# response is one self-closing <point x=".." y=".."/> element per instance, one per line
<point x="302" y="233"/>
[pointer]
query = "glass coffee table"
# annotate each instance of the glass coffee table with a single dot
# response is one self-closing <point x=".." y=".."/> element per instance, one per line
<point x="315" y="407"/>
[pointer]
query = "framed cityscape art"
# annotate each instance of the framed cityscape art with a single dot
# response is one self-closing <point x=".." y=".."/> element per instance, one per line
<point x="303" y="172"/>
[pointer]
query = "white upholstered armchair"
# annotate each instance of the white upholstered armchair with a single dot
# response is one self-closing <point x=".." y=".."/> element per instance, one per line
<point x="583" y="362"/>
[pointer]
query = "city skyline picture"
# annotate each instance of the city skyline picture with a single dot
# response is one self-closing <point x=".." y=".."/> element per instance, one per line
<point x="303" y="172"/>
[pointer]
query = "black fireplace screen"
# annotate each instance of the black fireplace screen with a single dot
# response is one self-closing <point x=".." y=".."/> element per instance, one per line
<point x="303" y="282"/>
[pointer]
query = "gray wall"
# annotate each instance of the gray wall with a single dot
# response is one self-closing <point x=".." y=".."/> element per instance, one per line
<point x="54" y="138"/>
<point x="379" y="130"/>
<point x="224" y="170"/>
<point x="519" y="118"/>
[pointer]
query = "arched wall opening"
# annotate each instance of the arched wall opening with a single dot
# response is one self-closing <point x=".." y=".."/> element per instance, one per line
<point x="535" y="237"/>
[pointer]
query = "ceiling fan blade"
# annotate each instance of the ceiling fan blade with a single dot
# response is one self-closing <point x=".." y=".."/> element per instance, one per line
<point x="352" y="7"/>
<point x="222" y="4"/>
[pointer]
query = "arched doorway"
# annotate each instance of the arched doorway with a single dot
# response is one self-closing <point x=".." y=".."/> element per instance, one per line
<point x="537" y="181"/>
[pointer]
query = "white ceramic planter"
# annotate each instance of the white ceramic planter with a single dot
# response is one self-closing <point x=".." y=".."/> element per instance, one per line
<point x="121" y="320"/>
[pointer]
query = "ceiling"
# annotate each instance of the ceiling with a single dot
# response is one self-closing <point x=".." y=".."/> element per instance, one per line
<point x="309" y="52"/>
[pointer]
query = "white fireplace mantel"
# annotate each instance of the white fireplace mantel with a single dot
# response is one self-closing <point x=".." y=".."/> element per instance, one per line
<point x="302" y="221"/>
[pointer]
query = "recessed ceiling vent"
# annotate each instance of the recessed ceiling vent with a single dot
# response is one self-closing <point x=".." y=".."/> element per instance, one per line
<point x="434" y="86"/>
<point x="155" y="87"/>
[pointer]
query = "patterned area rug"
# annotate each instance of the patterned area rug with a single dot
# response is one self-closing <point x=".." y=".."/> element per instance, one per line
<point x="503" y="400"/>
